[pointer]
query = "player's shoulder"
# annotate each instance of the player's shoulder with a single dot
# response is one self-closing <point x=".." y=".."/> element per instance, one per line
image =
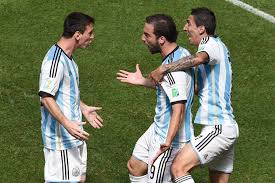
<point x="55" y="53"/>
<point x="208" y="42"/>
<point x="182" y="52"/>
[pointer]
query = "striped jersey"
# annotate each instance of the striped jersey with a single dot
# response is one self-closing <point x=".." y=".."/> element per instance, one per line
<point x="59" y="78"/>
<point x="214" y="83"/>
<point x="175" y="87"/>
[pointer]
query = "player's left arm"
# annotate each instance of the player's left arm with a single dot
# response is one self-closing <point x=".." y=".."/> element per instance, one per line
<point x="175" y="122"/>
<point x="91" y="115"/>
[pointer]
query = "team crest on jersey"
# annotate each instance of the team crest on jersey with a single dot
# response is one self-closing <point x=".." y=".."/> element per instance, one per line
<point x="175" y="91"/>
<point x="76" y="172"/>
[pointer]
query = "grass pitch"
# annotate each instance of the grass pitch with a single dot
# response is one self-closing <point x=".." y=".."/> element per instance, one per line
<point x="28" y="28"/>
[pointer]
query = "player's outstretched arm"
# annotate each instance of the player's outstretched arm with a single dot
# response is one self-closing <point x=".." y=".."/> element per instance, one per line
<point x="91" y="115"/>
<point x="181" y="64"/>
<point x="72" y="127"/>
<point x="135" y="78"/>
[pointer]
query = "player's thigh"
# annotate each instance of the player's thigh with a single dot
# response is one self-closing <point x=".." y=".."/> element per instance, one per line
<point x="139" y="160"/>
<point x="160" y="170"/>
<point x="185" y="160"/>
<point x="65" y="165"/>
<point x="213" y="141"/>
<point x="223" y="163"/>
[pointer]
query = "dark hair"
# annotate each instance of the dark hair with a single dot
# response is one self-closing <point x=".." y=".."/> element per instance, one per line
<point x="204" y="16"/>
<point x="164" y="25"/>
<point x="76" y="21"/>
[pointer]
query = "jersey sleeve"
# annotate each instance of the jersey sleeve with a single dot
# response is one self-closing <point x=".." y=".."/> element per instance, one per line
<point x="210" y="46"/>
<point x="174" y="85"/>
<point x="50" y="77"/>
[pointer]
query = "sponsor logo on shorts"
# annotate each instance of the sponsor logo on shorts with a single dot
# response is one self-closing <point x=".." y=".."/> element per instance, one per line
<point x="76" y="172"/>
<point x="205" y="156"/>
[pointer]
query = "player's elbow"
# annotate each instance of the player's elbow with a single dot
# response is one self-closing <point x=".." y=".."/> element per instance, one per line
<point x="46" y="100"/>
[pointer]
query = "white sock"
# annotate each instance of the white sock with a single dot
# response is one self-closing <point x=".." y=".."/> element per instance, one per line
<point x="184" y="179"/>
<point x="138" y="179"/>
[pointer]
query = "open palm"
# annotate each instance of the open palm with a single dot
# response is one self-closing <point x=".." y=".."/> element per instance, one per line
<point x="135" y="78"/>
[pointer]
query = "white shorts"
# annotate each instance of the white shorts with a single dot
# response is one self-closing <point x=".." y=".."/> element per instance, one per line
<point x="65" y="165"/>
<point x="145" y="150"/>
<point x="215" y="146"/>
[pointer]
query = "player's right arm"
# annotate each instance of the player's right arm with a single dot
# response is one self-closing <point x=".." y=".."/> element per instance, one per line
<point x="72" y="127"/>
<point x="135" y="78"/>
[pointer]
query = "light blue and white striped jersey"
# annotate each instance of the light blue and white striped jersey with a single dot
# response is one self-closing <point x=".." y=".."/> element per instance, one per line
<point x="59" y="78"/>
<point x="214" y="82"/>
<point x="175" y="87"/>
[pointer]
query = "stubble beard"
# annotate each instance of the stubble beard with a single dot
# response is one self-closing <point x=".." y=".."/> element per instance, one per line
<point x="154" y="49"/>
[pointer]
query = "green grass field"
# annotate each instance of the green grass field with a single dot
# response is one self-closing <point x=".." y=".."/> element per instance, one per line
<point x="28" y="28"/>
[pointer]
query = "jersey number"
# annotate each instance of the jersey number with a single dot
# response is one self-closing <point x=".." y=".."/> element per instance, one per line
<point x="152" y="171"/>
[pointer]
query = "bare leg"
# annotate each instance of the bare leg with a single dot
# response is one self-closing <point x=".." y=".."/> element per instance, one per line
<point x="218" y="177"/>
<point x="137" y="170"/>
<point x="185" y="160"/>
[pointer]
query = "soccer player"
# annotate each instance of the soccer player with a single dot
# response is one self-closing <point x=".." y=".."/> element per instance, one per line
<point x="63" y="136"/>
<point x="172" y="126"/>
<point x="215" y="144"/>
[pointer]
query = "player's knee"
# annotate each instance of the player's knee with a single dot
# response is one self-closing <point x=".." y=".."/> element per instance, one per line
<point x="131" y="168"/>
<point x="177" y="169"/>
<point x="135" y="170"/>
<point x="83" y="179"/>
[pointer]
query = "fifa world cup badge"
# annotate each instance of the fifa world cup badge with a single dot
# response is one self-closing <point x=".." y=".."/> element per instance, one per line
<point x="175" y="91"/>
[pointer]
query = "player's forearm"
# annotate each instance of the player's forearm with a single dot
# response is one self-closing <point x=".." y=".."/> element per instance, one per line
<point x="175" y="122"/>
<point x="148" y="83"/>
<point x="181" y="64"/>
<point x="142" y="81"/>
<point x="54" y="109"/>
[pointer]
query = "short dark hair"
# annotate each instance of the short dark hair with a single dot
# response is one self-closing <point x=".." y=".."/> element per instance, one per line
<point x="164" y="25"/>
<point x="76" y="21"/>
<point x="204" y="16"/>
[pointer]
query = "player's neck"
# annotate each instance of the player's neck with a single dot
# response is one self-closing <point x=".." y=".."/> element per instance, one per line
<point x="68" y="45"/>
<point x="167" y="49"/>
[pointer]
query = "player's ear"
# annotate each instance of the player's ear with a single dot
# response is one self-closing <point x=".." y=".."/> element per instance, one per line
<point x="77" y="35"/>
<point x="202" y="29"/>
<point x="161" y="40"/>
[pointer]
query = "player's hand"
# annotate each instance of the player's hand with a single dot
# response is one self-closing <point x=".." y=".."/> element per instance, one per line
<point x="134" y="78"/>
<point x="74" y="129"/>
<point x="92" y="117"/>
<point x="157" y="75"/>
<point x="163" y="147"/>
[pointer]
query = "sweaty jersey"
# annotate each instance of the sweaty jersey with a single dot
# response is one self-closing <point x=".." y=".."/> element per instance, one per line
<point x="175" y="87"/>
<point x="214" y="82"/>
<point x="59" y="78"/>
